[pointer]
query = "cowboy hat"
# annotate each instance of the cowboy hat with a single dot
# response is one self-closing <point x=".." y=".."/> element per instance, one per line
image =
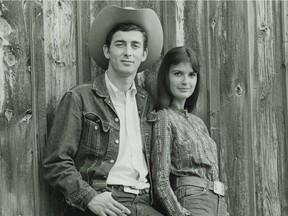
<point x="110" y="16"/>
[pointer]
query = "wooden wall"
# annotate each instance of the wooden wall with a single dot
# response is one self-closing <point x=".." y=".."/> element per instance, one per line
<point x="243" y="47"/>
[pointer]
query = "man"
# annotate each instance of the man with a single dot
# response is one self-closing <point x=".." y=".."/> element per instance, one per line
<point x="98" y="150"/>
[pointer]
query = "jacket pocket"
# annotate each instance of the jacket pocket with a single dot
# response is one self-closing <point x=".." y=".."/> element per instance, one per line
<point x="93" y="133"/>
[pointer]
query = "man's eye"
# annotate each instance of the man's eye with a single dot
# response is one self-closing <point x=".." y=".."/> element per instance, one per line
<point x="119" y="44"/>
<point x="135" y="45"/>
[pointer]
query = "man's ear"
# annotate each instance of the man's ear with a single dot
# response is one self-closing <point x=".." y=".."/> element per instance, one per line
<point x="145" y="54"/>
<point x="106" y="51"/>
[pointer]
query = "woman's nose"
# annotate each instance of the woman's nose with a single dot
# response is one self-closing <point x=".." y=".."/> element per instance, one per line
<point x="185" y="80"/>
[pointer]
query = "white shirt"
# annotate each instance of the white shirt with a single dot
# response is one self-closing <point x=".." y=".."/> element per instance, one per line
<point x="130" y="168"/>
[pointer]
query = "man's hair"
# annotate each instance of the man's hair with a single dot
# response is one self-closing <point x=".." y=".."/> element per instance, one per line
<point x="173" y="57"/>
<point x="126" y="27"/>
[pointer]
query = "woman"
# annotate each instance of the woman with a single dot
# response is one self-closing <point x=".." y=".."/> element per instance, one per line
<point x="185" y="165"/>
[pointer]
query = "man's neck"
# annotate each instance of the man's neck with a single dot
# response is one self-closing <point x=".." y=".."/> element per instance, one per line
<point x="122" y="83"/>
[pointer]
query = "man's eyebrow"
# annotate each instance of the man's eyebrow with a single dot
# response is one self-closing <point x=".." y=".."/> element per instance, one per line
<point x="138" y="42"/>
<point x="121" y="41"/>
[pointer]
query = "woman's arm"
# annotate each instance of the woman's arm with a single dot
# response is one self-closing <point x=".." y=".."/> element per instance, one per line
<point x="161" y="166"/>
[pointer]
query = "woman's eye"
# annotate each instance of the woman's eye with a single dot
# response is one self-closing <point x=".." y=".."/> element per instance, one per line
<point x="177" y="74"/>
<point x="193" y="74"/>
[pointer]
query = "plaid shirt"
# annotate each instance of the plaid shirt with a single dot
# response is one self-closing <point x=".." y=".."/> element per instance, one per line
<point x="182" y="147"/>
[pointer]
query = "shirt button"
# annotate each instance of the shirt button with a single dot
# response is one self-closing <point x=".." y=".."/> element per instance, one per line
<point x="116" y="119"/>
<point x="117" y="141"/>
<point x="112" y="161"/>
<point x="96" y="127"/>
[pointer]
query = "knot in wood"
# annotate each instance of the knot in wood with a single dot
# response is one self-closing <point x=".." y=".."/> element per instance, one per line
<point x="263" y="31"/>
<point x="238" y="90"/>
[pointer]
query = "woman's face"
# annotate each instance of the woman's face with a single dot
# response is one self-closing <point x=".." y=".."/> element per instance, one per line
<point x="182" y="82"/>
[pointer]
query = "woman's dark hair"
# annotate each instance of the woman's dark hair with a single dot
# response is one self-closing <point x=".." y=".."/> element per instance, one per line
<point x="126" y="27"/>
<point x="173" y="57"/>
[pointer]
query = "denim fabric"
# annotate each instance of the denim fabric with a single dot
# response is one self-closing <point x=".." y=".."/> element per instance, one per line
<point x="82" y="145"/>
<point x="201" y="201"/>
<point x="139" y="205"/>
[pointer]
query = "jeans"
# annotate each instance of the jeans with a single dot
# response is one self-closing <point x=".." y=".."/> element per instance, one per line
<point x="201" y="201"/>
<point x="139" y="205"/>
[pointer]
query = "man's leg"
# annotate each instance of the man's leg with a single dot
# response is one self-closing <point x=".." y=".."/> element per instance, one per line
<point x="139" y="205"/>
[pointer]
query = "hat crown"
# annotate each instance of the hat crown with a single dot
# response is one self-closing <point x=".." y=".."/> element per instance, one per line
<point x="129" y="8"/>
<point x="110" y="16"/>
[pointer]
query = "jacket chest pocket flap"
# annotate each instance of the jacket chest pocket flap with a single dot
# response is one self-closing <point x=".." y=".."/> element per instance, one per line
<point x="94" y="134"/>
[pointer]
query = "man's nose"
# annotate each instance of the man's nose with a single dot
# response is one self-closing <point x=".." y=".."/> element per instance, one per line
<point x="128" y="50"/>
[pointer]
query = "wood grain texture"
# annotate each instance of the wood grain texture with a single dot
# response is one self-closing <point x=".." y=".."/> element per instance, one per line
<point x="268" y="121"/>
<point x="284" y="148"/>
<point x="16" y="197"/>
<point x="228" y="102"/>
<point x="60" y="49"/>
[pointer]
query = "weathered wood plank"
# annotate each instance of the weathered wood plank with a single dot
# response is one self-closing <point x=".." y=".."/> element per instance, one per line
<point x="60" y="50"/>
<point x="228" y="102"/>
<point x="284" y="148"/>
<point x="16" y="197"/>
<point x="169" y="24"/>
<point x="267" y="94"/>
<point x="41" y="188"/>
<point x="82" y="28"/>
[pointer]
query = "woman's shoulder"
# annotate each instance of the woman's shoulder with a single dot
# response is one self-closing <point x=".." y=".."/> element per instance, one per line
<point x="196" y="119"/>
<point x="164" y="114"/>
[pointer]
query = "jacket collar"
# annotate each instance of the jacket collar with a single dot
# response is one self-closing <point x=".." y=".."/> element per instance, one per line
<point x="100" y="88"/>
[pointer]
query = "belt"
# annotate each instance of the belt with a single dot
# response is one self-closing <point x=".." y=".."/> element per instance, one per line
<point x="129" y="189"/>
<point x="216" y="186"/>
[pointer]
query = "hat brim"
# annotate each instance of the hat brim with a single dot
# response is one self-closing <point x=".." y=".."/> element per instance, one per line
<point x="110" y="16"/>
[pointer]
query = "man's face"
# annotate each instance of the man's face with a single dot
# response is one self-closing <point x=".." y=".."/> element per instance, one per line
<point x="126" y="52"/>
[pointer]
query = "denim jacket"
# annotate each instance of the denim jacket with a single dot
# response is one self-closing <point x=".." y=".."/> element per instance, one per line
<point x="83" y="142"/>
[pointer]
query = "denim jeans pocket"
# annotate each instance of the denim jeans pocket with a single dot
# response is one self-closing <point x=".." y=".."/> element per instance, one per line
<point x="193" y="191"/>
<point x="189" y="192"/>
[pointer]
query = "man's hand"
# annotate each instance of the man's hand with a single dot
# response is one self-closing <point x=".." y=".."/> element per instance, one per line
<point x="104" y="205"/>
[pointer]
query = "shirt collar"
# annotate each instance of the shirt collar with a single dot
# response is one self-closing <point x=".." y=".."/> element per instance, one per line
<point x="114" y="91"/>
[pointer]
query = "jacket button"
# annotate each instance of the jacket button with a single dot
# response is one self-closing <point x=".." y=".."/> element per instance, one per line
<point x="116" y="119"/>
<point x="117" y="141"/>
<point x="96" y="127"/>
<point x="112" y="161"/>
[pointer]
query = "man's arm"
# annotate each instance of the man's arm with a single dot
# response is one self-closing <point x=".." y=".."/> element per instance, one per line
<point x="62" y="145"/>
<point x="59" y="167"/>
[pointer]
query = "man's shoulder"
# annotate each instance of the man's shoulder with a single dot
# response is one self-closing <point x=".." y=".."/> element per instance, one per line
<point x="82" y="88"/>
